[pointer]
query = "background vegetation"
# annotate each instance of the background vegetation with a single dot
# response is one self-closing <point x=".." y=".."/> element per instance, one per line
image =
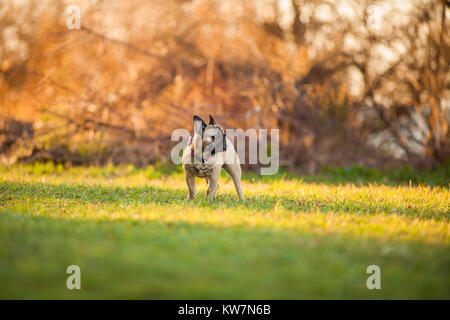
<point x="344" y="85"/>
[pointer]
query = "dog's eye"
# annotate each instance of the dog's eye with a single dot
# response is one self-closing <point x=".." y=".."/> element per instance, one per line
<point x="213" y="138"/>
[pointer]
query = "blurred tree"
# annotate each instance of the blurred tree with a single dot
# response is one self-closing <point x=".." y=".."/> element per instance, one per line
<point x="115" y="90"/>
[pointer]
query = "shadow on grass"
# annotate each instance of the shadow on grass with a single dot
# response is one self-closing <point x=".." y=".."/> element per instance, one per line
<point x="360" y="175"/>
<point x="156" y="260"/>
<point x="153" y="195"/>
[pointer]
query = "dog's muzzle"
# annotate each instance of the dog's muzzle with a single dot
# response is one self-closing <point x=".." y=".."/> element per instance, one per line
<point x="193" y="152"/>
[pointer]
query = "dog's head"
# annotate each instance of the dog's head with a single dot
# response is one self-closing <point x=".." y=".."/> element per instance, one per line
<point x="211" y="135"/>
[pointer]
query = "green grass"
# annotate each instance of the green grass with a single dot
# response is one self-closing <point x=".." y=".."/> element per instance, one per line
<point x="134" y="235"/>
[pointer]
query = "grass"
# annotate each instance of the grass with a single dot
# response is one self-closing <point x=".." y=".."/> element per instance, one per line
<point x="134" y="235"/>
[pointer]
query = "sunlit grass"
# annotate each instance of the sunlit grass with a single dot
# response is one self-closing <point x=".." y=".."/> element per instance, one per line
<point x="136" y="236"/>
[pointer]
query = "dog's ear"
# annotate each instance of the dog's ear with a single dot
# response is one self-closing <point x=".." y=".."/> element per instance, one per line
<point x="211" y="120"/>
<point x="199" y="124"/>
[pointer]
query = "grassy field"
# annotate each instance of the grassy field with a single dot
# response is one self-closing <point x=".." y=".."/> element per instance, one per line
<point x="134" y="235"/>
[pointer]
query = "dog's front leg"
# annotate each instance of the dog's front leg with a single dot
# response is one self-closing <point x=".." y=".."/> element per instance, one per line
<point x="190" y="180"/>
<point x="213" y="184"/>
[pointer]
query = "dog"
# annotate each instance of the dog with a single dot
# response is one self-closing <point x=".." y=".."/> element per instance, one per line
<point x="207" y="152"/>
